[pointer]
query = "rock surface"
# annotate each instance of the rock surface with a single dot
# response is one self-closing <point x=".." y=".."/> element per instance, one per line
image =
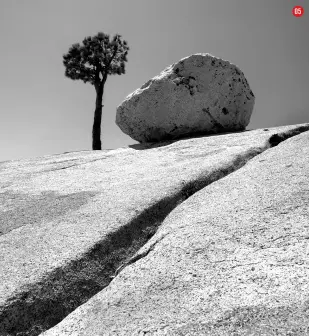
<point x="71" y="223"/>
<point x="231" y="260"/>
<point x="200" y="94"/>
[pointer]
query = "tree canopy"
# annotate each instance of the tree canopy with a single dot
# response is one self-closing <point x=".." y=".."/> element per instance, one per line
<point x="96" y="58"/>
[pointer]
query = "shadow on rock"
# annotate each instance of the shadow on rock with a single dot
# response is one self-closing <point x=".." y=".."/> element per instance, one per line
<point x="149" y="145"/>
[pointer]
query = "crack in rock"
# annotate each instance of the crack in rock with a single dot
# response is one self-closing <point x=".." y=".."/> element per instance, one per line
<point x="138" y="256"/>
<point x="74" y="165"/>
<point x="216" y="123"/>
<point x="273" y="141"/>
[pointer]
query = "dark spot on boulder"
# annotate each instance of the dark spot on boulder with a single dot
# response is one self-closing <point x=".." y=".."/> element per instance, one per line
<point x="176" y="70"/>
<point x="213" y="62"/>
<point x="225" y="110"/>
<point x="238" y="79"/>
<point x="265" y="129"/>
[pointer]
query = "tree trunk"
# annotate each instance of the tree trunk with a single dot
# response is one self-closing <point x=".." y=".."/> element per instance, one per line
<point x="96" y="129"/>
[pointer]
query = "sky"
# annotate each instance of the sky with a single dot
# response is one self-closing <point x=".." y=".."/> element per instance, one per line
<point x="42" y="112"/>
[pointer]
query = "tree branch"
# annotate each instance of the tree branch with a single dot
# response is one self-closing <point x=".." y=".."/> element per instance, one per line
<point x="114" y="54"/>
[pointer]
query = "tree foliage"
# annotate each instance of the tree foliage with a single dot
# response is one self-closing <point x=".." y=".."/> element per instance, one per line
<point x="96" y="58"/>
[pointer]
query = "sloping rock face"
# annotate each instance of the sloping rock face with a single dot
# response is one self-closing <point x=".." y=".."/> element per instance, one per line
<point x="84" y="225"/>
<point x="200" y="94"/>
<point x="230" y="260"/>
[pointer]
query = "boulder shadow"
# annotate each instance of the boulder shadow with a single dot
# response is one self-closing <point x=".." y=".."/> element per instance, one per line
<point x="150" y="145"/>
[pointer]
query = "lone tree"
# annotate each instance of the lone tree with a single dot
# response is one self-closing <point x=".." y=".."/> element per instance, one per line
<point x="92" y="62"/>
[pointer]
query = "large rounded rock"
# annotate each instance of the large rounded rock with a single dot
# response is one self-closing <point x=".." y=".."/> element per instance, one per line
<point x="198" y="95"/>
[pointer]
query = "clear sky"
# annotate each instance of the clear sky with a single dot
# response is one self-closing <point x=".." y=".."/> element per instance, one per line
<point x="43" y="112"/>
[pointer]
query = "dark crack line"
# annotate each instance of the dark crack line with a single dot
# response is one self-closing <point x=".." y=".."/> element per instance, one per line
<point x="138" y="256"/>
<point x="219" y="126"/>
<point x="273" y="141"/>
<point x="74" y="165"/>
<point x="63" y="168"/>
